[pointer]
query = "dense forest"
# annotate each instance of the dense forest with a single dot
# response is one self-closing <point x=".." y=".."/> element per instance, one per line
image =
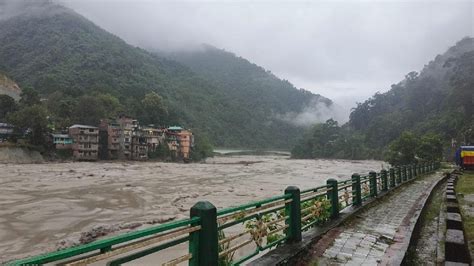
<point x="426" y="110"/>
<point x="83" y="73"/>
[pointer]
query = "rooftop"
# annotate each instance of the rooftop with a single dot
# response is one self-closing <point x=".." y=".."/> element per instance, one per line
<point x="60" y="136"/>
<point x="82" y="126"/>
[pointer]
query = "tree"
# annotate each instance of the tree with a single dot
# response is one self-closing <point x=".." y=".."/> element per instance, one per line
<point x="430" y="148"/>
<point x="110" y="103"/>
<point x="61" y="108"/>
<point x="403" y="149"/>
<point x="7" y="105"/>
<point x="202" y="148"/>
<point x="33" y="117"/>
<point x="154" y="110"/>
<point x="89" y="110"/>
<point x="29" y="97"/>
<point x="161" y="152"/>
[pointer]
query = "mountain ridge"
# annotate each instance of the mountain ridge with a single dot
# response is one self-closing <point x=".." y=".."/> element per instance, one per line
<point x="59" y="51"/>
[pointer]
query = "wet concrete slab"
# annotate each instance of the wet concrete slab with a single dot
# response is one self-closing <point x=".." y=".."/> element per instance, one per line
<point x="382" y="233"/>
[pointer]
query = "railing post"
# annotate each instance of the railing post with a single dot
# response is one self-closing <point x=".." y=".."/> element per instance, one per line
<point x="373" y="183"/>
<point x="356" y="190"/>
<point x="399" y="175"/>
<point x="415" y="170"/>
<point x="293" y="209"/>
<point x="333" y="197"/>
<point x="410" y="171"/>
<point x="404" y="173"/>
<point x="383" y="176"/>
<point x="203" y="244"/>
<point x="392" y="177"/>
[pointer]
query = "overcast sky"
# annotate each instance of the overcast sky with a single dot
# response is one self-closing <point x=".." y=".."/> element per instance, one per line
<point x="345" y="50"/>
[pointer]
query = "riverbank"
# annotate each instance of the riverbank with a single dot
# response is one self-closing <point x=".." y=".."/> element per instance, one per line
<point x="19" y="155"/>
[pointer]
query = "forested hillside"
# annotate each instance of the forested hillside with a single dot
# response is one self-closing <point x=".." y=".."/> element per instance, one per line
<point x="254" y="87"/>
<point x="436" y="103"/>
<point x="85" y="73"/>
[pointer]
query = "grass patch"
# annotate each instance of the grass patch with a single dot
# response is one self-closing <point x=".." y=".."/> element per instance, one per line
<point x="431" y="211"/>
<point x="465" y="186"/>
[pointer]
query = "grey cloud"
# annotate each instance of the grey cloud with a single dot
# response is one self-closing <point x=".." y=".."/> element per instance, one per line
<point x="325" y="47"/>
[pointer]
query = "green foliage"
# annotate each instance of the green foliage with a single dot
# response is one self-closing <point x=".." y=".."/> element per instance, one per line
<point x="430" y="148"/>
<point x="153" y="109"/>
<point x="403" y="150"/>
<point x="7" y="105"/>
<point x="253" y="226"/>
<point x="202" y="148"/>
<point x="33" y="117"/>
<point x="409" y="149"/>
<point x="321" y="214"/>
<point x="29" y="97"/>
<point x="162" y="152"/>
<point x="328" y="140"/>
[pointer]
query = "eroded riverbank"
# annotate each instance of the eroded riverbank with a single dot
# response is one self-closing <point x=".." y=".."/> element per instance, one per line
<point x="46" y="206"/>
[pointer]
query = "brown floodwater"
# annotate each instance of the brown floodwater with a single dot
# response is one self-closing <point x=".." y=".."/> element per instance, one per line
<point x="46" y="206"/>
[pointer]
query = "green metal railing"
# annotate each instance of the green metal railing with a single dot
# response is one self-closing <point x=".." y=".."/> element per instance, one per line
<point x="234" y="235"/>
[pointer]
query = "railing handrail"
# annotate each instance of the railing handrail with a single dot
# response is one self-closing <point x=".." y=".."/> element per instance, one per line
<point x="251" y="204"/>
<point x="104" y="243"/>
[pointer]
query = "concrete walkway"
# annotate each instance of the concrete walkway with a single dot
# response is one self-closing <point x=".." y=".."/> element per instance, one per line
<point x="379" y="235"/>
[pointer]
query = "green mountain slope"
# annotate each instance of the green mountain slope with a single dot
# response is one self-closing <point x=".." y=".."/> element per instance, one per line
<point x="439" y="100"/>
<point x="250" y="84"/>
<point x="53" y="49"/>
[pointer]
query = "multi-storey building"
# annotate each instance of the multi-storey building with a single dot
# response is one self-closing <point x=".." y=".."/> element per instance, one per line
<point x="180" y="141"/>
<point x="154" y="137"/>
<point x="127" y="125"/>
<point x="139" y="145"/>
<point x="62" y="141"/>
<point x="109" y="140"/>
<point x="86" y="142"/>
<point x="6" y="131"/>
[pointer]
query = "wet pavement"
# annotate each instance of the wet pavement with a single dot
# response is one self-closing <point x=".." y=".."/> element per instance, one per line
<point x="380" y="234"/>
<point x="53" y="205"/>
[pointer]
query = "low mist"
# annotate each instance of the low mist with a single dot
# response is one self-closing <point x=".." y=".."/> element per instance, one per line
<point x="317" y="112"/>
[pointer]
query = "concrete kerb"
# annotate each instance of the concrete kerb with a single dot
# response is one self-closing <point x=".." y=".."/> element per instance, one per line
<point x="455" y="248"/>
<point x="289" y="254"/>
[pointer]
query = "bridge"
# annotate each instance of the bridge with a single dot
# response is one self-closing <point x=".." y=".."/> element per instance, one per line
<point x="246" y="233"/>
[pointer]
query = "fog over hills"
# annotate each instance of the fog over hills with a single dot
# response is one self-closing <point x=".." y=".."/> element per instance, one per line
<point x="344" y="50"/>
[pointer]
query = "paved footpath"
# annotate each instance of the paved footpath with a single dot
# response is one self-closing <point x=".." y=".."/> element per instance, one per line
<point x="380" y="234"/>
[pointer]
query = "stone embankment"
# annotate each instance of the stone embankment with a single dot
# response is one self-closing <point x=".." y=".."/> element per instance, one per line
<point x="19" y="155"/>
<point x="456" y="249"/>
<point x="379" y="235"/>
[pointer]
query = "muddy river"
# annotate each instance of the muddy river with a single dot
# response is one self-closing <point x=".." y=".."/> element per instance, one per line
<point x="47" y="206"/>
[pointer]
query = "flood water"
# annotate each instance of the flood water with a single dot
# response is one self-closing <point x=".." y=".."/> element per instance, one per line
<point x="46" y="206"/>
